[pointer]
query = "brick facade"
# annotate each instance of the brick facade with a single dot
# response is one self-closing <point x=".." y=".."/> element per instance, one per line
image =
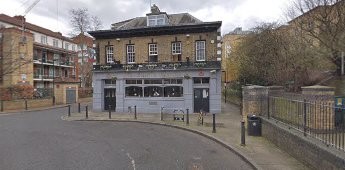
<point x="17" y="56"/>
<point x="164" y="47"/>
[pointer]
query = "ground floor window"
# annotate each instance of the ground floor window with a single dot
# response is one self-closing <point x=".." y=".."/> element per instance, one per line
<point x="154" y="87"/>
<point x="173" y="91"/>
<point x="153" y="91"/>
<point x="134" y="91"/>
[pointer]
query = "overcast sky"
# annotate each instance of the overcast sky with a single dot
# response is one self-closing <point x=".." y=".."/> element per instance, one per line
<point x="54" y="15"/>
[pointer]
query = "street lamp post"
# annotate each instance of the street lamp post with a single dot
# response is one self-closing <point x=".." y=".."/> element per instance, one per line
<point x="54" y="80"/>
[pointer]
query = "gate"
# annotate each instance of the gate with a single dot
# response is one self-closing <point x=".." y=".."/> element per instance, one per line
<point x="109" y="99"/>
<point x="71" y="95"/>
<point x="201" y="100"/>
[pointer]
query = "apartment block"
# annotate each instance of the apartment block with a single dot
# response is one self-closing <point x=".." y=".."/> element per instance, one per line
<point x="40" y="57"/>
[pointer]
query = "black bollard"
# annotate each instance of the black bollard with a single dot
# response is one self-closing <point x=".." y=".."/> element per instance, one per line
<point x="243" y="131"/>
<point x="86" y="112"/>
<point x="2" y="105"/>
<point x="187" y="117"/>
<point x="69" y="110"/>
<point x="53" y="100"/>
<point x="162" y="113"/>
<point x="109" y="109"/>
<point x="79" y="108"/>
<point x="135" y="112"/>
<point x="214" y="123"/>
<point x="26" y="104"/>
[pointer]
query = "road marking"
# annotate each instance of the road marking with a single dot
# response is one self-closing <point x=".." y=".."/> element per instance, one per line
<point x="132" y="160"/>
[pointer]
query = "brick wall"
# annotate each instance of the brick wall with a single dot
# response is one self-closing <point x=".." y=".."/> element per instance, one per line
<point x="310" y="151"/>
<point x="164" y="47"/>
<point x="32" y="103"/>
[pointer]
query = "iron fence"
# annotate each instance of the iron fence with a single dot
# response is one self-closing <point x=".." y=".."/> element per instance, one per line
<point x="322" y="120"/>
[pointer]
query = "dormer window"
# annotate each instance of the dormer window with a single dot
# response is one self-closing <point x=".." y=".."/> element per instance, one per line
<point x="156" y="20"/>
<point x="156" y="17"/>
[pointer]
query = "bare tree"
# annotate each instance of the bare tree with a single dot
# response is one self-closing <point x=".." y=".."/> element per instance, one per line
<point x="322" y="24"/>
<point x="81" y="22"/>
<point x="272" y="56"/>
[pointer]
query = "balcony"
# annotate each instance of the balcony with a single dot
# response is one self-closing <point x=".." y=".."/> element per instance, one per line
<point x="159" y="66"/>
<point x="54" y="63"/>
<point x="43" y="77"/>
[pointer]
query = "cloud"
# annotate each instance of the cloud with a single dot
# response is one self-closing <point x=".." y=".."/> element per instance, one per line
<point x="54" y="14"/>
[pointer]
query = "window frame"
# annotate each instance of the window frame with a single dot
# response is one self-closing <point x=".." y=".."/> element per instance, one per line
<point x="153" y="49"/>
<point x="55" y="43"/>
<point x="199" y="51"/>
<point x="44" y="39"/>
<point x="66" y="46"/>
<point x="130" y="54"/>
<point x="109" y="54"/>
<point x="176" y="48"/>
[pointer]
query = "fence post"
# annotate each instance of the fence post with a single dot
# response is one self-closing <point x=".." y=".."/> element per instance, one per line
<point x="243" y="131"/>
<point x="86" y="112"/>
<point x="214" y="123"/>
<point x="26" y="104"/>
<point x="305" y="117"/>
<point x="69" y="110"/>
<point x="109" y="109"/>
<point x="2" y="105"/>
<point x="79" y="108"/>
<point x="135" y="112"/>
<point x="187" y="117"/>
<point x="162" y="113"/>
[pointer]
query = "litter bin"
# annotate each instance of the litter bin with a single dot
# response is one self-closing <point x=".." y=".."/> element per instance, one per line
<point x="253" y="125"/>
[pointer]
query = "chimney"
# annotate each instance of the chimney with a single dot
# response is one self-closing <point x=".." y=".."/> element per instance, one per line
<point x="19" y="17"/>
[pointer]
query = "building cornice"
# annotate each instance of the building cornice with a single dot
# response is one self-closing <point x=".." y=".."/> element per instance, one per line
<point x="157" y="31"/>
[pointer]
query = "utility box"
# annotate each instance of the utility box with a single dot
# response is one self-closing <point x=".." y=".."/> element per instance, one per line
<point x="253" y="125"/>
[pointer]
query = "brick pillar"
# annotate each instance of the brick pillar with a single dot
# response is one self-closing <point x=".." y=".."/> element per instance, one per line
<point x="254" y="99"/>
<point x="321" y="115"/>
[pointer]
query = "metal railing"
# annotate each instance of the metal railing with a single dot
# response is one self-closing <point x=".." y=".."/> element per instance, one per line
<point x="320" y="120"/>
<point x="159" y="66"/>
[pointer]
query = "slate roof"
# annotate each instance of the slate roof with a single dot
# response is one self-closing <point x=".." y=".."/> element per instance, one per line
<point x="141" y="22"/>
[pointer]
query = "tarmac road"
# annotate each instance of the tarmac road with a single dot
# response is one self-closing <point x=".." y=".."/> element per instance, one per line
<point x="41" y="140"/>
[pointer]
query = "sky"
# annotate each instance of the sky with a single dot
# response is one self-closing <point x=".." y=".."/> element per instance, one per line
<point x="54" y="14"/>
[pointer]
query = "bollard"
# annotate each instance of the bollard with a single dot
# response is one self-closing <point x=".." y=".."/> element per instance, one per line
<point x="109" y="109"/>
<point x="187" y="117"/>
<point x="53" y="100"/>
<point x="135" y="112"/>
<point x="214" y="123"/>
<point x="79" y="108"/>
<point x="69" y="110"/>
<point x="26" y="104"/>
<point x="202" y="118"/>
<point x="2" y="105"/>
<point x="86" y="112"/>
<point x="243" y="137"/>
<point x="162" y="113"/>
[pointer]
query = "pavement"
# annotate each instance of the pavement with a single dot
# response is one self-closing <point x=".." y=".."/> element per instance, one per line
<point x="42" y="140"/>
<point x="258" y="151"/>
